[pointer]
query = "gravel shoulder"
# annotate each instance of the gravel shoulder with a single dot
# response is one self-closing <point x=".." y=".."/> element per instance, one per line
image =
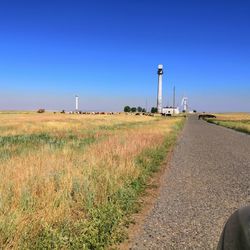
<point x="208" y="179"/>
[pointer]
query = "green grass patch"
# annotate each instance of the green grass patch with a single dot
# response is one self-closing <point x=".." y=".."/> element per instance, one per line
<point x="241" y="126"/>
<point x="20" y="144"/>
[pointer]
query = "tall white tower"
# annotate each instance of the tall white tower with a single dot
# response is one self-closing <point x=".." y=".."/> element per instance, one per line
<point x="159" y="96"/>
<point x="77" y="102"/>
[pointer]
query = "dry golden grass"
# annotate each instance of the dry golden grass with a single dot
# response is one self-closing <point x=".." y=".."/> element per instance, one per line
<point x="43" y="184"/>
<point x="12" y="124"/>
<point x="233" y="116"/>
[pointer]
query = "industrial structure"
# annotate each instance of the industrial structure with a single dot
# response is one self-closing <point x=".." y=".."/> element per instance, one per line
<point x="159" y="96"/>
<point x="184" y="103"/>
<point x="170" y="111"/>
<point x="77" y="102"/>
<point x="160" y="109"/>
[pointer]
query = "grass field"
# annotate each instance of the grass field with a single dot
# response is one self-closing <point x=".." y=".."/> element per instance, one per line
<point x="237" y="121"/>
<point x="70" y="181"/>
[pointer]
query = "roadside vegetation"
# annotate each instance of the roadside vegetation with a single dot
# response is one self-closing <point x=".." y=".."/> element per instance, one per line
<point x="236" y="121"/>
<point x="71" y="181"/>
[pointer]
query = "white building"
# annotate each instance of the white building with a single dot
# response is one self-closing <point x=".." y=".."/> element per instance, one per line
<point x="170" y="111"/>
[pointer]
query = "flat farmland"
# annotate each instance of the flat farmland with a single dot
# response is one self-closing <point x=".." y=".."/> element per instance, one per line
<point x="70" y="181"/>
<point x="236" y="121"/>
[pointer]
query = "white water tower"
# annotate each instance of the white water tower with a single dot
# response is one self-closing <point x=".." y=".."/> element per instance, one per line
<point x="159" y="95"/>
<point x="77" y="102"/>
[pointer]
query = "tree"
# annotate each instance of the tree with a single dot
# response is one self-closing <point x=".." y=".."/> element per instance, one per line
<point x="153" y="110"/>
<point x="127" y="109"/>
<point x="139" y="109"/>
<point x="133" y="109"/>
<point x="144" y="110"/>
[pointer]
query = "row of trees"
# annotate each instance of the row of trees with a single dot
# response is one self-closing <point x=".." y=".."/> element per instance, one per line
<point x="138" y="109"/>
<point x="134" y="109"/>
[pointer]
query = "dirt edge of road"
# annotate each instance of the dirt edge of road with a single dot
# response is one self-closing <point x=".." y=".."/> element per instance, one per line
<point x="147" y="200"/>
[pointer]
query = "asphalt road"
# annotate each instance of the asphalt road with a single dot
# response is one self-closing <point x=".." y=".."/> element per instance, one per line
<point x="208" y="179"/>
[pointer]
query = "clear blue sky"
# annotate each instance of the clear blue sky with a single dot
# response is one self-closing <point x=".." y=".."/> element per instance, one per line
<point x="107" y="52"/>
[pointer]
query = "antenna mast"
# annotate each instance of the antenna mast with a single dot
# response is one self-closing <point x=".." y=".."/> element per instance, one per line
<point x="174" y="100"/>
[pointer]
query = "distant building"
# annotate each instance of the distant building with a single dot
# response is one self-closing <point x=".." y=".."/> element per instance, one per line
<point x="170" y="111"/>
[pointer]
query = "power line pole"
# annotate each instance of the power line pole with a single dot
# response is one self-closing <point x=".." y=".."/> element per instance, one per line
<point x="174" y="101"/>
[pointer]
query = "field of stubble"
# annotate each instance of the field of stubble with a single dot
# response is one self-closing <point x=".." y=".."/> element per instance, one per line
<point x="70" y="181"/>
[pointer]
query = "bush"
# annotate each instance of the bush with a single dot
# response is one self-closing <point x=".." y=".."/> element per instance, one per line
<point x="40" y="110"/>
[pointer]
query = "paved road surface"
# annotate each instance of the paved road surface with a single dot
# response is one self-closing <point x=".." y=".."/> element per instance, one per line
<point x="208" y="179"/>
